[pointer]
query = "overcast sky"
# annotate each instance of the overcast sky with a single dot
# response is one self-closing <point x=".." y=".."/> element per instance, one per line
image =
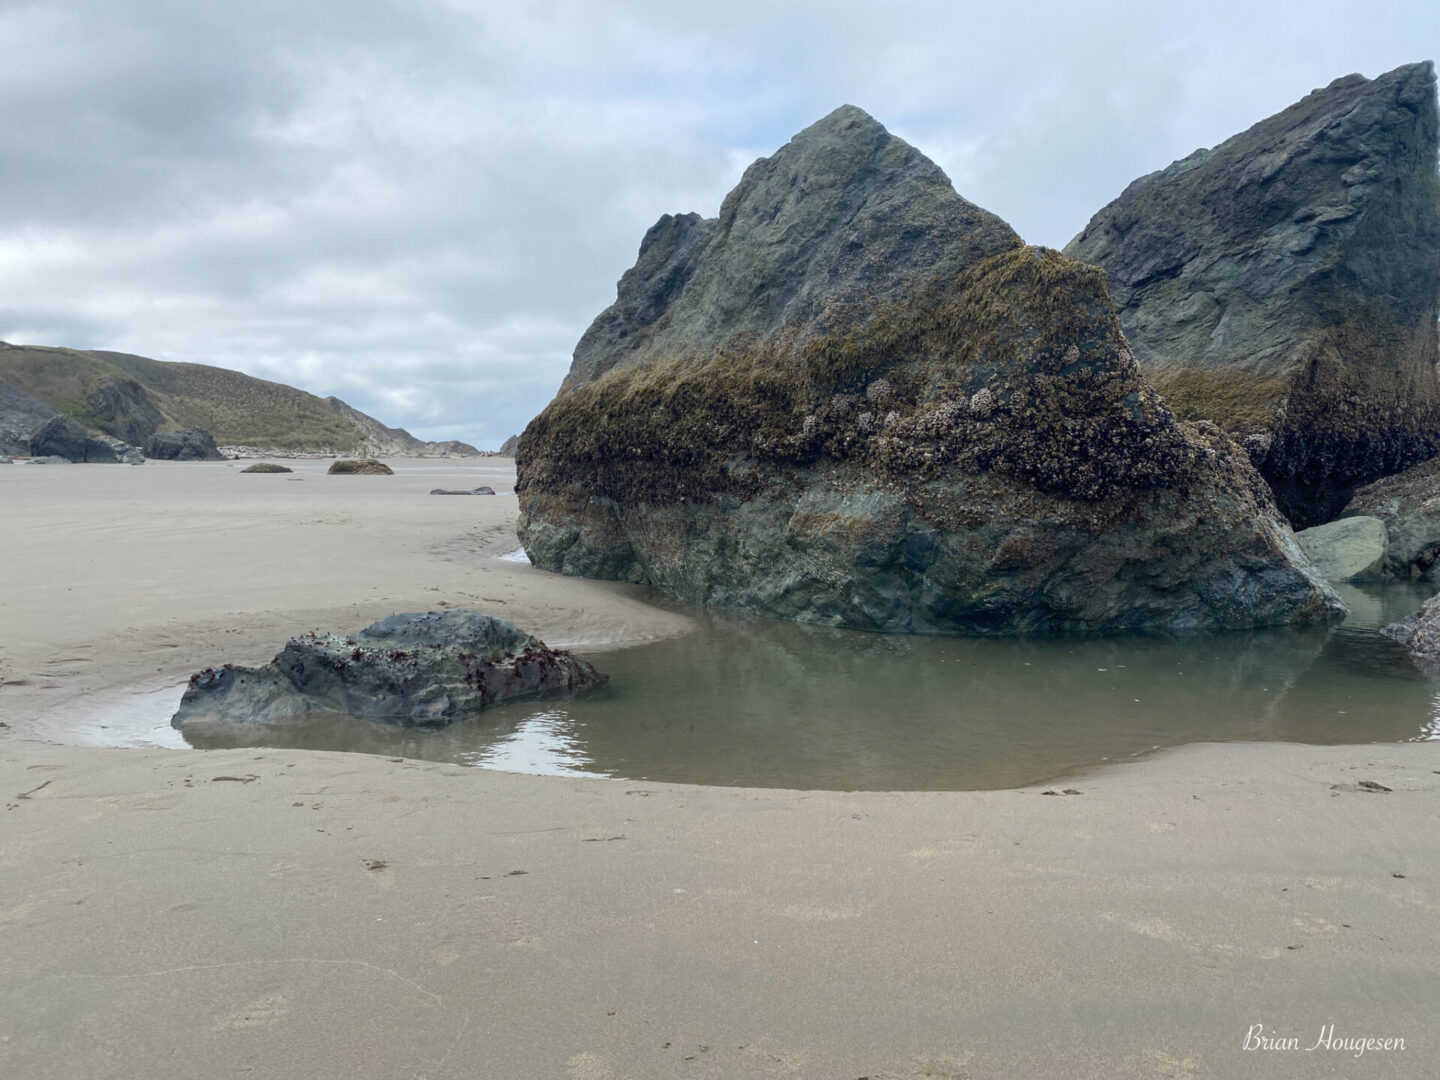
<point x="419" y="205"/>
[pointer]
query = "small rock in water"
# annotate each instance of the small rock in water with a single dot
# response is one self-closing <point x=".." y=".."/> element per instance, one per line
<point x="419" y="670"/>
<point x="266" y="467"/>
<point x="481" y="490"/>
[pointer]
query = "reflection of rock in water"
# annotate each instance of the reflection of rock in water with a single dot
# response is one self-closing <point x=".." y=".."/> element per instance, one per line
<point x="759" y="702"/>
<point x="518" y="743"/>
<point x="762" y="702"/>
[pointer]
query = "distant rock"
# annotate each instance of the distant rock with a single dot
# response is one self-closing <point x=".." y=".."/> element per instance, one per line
<point x="267" y="467"/>
<point x="192" y="444"/>
<point x="20" y="415"/>
<point x="1420" y="634"/>
<point x="507" y="448"/>
<point x="1409" y="505"/>
<point x="132" y="397"/>
<point x="381" y="441"/>
<point x="1351" y="549"/>
<point x="62" y="437"/>
<point x="124" y="410"/>
<point x="1286" y="285"/>
<point x="361" y="468"/>
<point x="481" y="490"/>
<point x="856" y="399"/>
<point x="120" y="451"/>
<point x="410" y="670"/>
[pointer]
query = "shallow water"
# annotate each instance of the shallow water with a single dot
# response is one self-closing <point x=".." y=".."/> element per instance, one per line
<point x="754" y="702"/>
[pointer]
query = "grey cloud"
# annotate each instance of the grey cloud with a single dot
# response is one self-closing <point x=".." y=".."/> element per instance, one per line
<point x="419" y="206"/>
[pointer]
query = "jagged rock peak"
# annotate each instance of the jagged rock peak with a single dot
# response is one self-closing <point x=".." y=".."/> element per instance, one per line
<point x="844" y="213"/>
<point x="854" y="398"/>
<point x="1286" y="284"/>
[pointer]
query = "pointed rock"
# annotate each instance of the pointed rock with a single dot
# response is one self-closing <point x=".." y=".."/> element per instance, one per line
<point x="1286" y="285"/>
<point x="856" y="399"/>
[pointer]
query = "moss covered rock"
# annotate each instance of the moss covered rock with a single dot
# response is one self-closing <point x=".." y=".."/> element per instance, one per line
<point x="1286" y="285"/>
<point x="266" y="467"/>
<point x="941" y="430"/>
<point x="367" y="467"/>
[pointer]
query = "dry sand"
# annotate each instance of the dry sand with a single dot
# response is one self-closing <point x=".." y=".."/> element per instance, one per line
<point x="315" y="915"/>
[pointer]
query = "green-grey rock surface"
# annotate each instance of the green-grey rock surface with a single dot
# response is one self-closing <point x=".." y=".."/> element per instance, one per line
<point x="63" y="437"/>
<point x="418" y="670"/>
<point x="1409" y="505"/>
<point x="1286" y="284"/>
<point x="20" y="415"/>
<point x="192" y="444"/>
<point x="857" y="399"/>
<point x="1420" y="634"/>
<point x="1351" y="549"/>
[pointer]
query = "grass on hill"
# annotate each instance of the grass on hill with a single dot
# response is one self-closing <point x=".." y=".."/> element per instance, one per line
<point x="237" y="409"/>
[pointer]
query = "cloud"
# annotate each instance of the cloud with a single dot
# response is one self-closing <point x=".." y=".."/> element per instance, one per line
<point x="419" y="206"/>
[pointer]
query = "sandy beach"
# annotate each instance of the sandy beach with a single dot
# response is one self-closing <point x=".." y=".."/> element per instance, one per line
<point x="171" y="913"/>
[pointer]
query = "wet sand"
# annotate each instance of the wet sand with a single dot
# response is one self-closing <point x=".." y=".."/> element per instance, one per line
<point x="307" y="914"/>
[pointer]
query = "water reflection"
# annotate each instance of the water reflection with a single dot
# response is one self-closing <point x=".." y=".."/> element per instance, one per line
<point x="761" y="703"/>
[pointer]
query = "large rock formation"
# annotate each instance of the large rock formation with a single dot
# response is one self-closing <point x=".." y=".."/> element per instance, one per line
<point x="192" y="444"/>
<point x="1286" y="285"/>
<point x="63" y="437"/>
<point x="412" y="670"/>
<point x="123" y="409"/>
<point x="857" y="399"/>
<point x="20" y="415"/>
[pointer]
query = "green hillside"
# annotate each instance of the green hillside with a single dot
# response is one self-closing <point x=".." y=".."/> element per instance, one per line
<point x="237" y="409"/>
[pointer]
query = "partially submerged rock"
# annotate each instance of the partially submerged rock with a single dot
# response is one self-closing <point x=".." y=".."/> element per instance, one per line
<point x="192" y="444"/>
<point x="1409" y="505"/>
<point x="367" y="467"/>
<point x="481" y="490"/>
<point x="1286" y="284"/>
<point x="419" y="670"/>
<point x="857" y="399"/>
<point x="266" y="467"/>
<point x="1351" y="549"/>
<point x="1420" y="634"/>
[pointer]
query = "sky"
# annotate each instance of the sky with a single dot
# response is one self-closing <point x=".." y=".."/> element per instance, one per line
<point x="419" y="205"/>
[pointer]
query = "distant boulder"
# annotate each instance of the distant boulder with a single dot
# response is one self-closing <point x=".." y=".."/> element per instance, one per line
<point x="367" y="467"/>
<point x="508" y="447"/>
<point x="481" y="490"/>
<point x="192" y="444"/>
<point x="122" y="452"/>
<point x="124" y="410"/>
<point x="20" y="415"/>
<point x="63" y="437"/>
<point x="1286" y="284"/>
<point x="420" y="670"/>
<point x="266" y="467"/>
